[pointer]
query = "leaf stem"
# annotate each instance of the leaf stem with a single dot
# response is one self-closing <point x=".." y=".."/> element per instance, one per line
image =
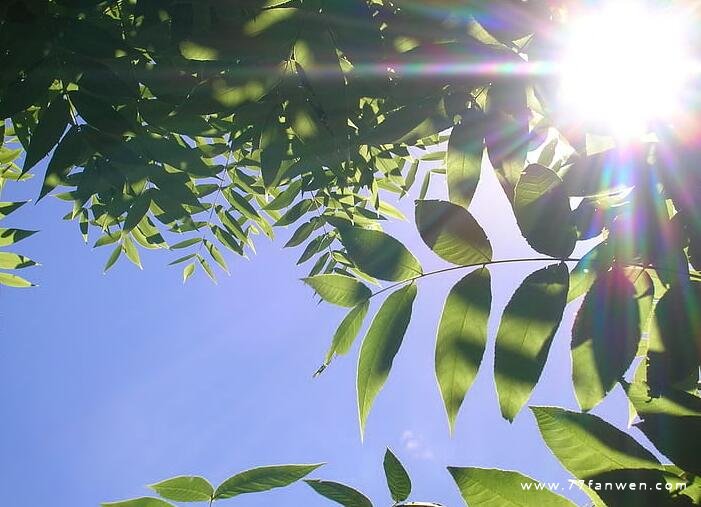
<point x="477" y="264"/>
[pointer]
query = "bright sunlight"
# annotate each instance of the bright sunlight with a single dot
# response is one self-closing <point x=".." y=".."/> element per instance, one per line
<point x="625" y="66"/>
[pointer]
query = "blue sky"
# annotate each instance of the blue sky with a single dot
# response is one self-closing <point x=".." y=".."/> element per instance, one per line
<point x="110" y="382"/>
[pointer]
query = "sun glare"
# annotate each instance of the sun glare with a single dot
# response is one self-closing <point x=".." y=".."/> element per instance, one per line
<point x="625" y="66"/>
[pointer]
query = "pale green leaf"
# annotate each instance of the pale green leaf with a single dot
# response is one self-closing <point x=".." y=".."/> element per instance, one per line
<point x="262" y="479"/>
<point x="184" y="489"/>
<point x="339" y="289"/>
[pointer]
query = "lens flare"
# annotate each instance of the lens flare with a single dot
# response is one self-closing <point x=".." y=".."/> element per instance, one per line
<point x="625" y="66"/>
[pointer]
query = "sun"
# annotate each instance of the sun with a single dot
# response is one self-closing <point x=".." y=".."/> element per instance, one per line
<point x="625" y="66"/>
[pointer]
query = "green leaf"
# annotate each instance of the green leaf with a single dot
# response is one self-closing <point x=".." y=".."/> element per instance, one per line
<point x="9" y="207"/>
<point x="452" y="233"/>
<point x="72" y="150"/>
<point x="582" y="277"/>
<point x="462" y="336"/>
<point x="302" y="233"/>
<point x="273" y="146"/>
<point x="487" y="487"/>
<point x="262" y="479"/>
<point x="464" y="158"/>
<point x="543" y="212"/>
<point x="114" y="256"/>
<point x="139" y="502"/>
<point x="186" y="243"/>
<point x="339" y="493"/>
<point x="131" y="252"/>
<point x="587" y="445"/>
<point x="193" y="51"/>
<point x="10" y="260"/>
<point x="188" y="271"/>
<point x="295" y="212"/>
<point x="398" y="480"/>
<point x="12" y="236"/>
<point x="52" y="124"/>
<point x="184" y="489"/>
<point x="286" y="197"/>
<point x="525" y="334"/>
<point x="216" y="255"/>
<point x="673" y="357"/>
<point x="347" y="331"/>
<point x="339" y="290"/>
<point x="668" y="420"/>
<point x="379" y="255"/>
<point x="137" y="211"/>
<point x="605" y="337"/>
<point x="14" y="281"/>
<point x="381" y="344"/>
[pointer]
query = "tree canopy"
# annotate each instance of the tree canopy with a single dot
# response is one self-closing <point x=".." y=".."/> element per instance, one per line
<point x="194" y="126"/>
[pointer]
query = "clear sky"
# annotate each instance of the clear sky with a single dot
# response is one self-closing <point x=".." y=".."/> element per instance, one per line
<point x="110" y="382"/>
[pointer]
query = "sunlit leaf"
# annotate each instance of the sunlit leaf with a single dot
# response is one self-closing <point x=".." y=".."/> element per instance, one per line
<point x="381" y="344"/>
<point x="10" y="260"/>
<point x="605" y="337"/>
<point x="339" y="289"/>
<point x="262" y="479"/>
<point x="379" y="254"/>
<point x="525" y="334"/>
<point x="11" y="280"/>
<point x="184" y="489"/>
<point x="487" y="487"/>
<point x="462" y="336"/>
<point x="347" y="331"/>
<point x="464" y="158"/>
<point x="139" y="502"/>
<point x="452" y="233"/>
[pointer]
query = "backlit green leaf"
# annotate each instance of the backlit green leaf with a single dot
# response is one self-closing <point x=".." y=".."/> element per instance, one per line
<point x="184" y="489"/>
<point x="464" y="158"/>
<point x="347" y="331"/>
<point x="525" y="334"/>
<point x="339" y="289"/>
<point x="381" y="344"/>
<point x="379" y="255"/>
<point x="14" y="281"/>
<point x="262" y="479"/>
<point x="452" y="233"/>
<point x="52" y="124"/>
<point x="487" y="487"/>
<point x="462" y="336"/>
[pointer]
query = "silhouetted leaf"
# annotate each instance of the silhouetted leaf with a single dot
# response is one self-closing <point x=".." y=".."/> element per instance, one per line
<point x="525" y="334"/>
<point x="452" y="233"/>
<point x="381" y="344"/>
<point x="52" y="124"/>
<point x="462" y="336"/>
<point x="379" y="254"/>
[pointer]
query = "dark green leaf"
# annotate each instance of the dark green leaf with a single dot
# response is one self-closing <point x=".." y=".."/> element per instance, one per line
<point x="12" y="236"/>
<point x="9" y="207"/>
<point x="397" y="477"/>
<point x="462" y="336"/>
<point x="339" y="493"/>
<point x="52" y="124"/>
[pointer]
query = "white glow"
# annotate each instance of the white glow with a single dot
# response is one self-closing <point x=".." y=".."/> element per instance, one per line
<point x="625" y="65"/>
